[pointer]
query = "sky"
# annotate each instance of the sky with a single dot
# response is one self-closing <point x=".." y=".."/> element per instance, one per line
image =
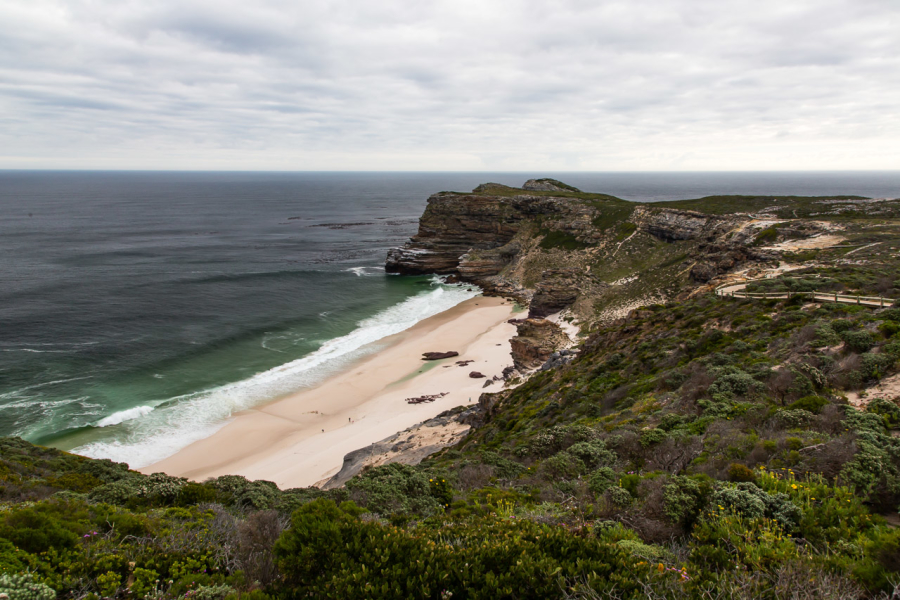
<point x="468" y="85"/>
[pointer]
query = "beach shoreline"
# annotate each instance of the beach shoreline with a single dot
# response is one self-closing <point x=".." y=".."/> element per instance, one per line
<point x="300" y="440"/>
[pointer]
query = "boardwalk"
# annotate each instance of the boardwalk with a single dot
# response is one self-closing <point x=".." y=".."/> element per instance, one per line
<point x="736" y="290"/>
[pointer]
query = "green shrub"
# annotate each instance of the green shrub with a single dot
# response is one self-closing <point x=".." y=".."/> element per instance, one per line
<point x="826" y="336"/>
<point x="725" y="542"/>
<point x="127" y="523"/>
<point x="750" y="501"/>
<point x="891" y="314"/>
<point x="889" y="328"/>
<point x="563" y="465"/>
<point x="24" y="587"/>
<point x="594" y="453"/>
<point x="618" y="496"/>
<point x="213" y="592"/>
<point x="255" y="495"/>
<point x="874" y="470"/>
<point x="887" y="410"/>
<point x="858" y="340"/>
<point x="767" y="236"/>
<point x="671" y="421"/>
<point x="196" y="493"/>
<point x="109" y="583"/>
<point x="76" y="482"/>
<point x="653" y="436"/>
<point x="732" y="381"/>
<point x="793" y="419"/>
<point x="562" y="240"/>
<point x="648" y="552"/>
<point x="812" y="404"/>
<point x="601" y="480"/>
<point x="739" y="501"/>
<point x="117" y="492"/>
<point x="683" y="498"/>
<point x="41" y="527"/>
<point x="10" y="558"/>
<point x="394" y="488"/>
<point x="251" y="595"/>
<point x="740" y="473"/>
<point x="328" y="553"/>
<point x="874" y="366"/>
<point x="145" y="582"/>
<point x="892" y="349"/>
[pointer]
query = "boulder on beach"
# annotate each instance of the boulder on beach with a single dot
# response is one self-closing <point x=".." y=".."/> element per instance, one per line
<point x="439" y="355"/>
<point x="476" y="375"/>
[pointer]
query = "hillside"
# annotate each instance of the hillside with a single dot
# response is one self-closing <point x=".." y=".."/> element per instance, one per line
<point x="689" y="445"/>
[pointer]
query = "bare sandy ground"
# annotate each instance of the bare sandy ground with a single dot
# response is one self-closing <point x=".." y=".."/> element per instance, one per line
<point x="301" y="439"/>
<point x="888" y="388"/>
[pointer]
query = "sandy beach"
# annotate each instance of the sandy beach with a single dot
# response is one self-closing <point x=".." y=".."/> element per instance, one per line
<point x="301" y="439"/>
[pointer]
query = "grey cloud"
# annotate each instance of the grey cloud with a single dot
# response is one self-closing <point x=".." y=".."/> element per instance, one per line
<point x="467" y="84"/>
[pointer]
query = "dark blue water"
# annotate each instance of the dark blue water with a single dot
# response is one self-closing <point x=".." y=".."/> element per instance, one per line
<point x="139" y="310"/>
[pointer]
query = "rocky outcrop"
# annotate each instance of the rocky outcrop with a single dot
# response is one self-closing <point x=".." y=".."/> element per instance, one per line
<point x="476" y="265"/>
<point x="673" y="225"/>
<point x="439" y="355"/>
<point x="558" y="359"/>
<point x="467" y="234"/>
<point x="409" y="447"/>
<point x="557" y="289"/>
<point x="548" y="185"/>
<point x="719" y="258"/>
<point x="453" y="225"/>
<point x="536" y="340"/>
<point x="553" y="247"/>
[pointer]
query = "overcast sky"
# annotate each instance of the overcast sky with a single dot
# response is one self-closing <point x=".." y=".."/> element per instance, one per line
<point x="450" y="85"/>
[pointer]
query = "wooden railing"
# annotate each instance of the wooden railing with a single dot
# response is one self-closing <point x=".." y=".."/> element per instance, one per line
<point x="814" y="296"/>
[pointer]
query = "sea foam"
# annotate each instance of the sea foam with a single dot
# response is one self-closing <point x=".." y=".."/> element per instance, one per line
<point x="125" y="415"/>
<point x="180" y="421"/>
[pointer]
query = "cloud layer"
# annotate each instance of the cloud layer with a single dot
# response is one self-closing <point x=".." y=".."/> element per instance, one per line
<point x="441" y="85"/>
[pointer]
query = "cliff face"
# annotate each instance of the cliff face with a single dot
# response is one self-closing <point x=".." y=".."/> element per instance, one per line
<point x="536" y="340"/>
<point x="555" y="247"/>
<point x="454" y="225"/>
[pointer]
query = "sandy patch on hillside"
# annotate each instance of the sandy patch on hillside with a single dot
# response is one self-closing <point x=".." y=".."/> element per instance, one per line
<point x="826" y="240"/>
<point x="888" y="388"/>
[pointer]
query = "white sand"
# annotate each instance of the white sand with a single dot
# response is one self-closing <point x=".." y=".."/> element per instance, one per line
<point x="284" y="441"/>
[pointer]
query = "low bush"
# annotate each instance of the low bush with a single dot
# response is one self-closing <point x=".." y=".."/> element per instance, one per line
<point x="395" y="488"/>
<point x="812" y="404"/>
<point x="857" y="340"/>
<point x="24" y="587"/>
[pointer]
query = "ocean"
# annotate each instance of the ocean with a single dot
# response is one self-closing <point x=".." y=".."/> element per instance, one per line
<point x="140" y="310"/>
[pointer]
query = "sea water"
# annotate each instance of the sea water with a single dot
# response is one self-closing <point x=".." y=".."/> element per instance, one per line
<point x="140" y="310"/>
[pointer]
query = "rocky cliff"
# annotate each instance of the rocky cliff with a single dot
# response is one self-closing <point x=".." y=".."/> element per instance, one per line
<point x="536" y="340"/>
<point x="555" y="247"/>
